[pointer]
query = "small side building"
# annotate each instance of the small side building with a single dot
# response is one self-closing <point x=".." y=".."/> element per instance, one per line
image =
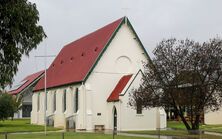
<point x="213" y="118"/>
<point x="25" y="90"/>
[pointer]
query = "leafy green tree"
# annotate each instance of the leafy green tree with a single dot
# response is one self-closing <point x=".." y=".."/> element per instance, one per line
<point x="6" y="106"/>
<point x="19" y="34"/>
<point x="183" y="74"/>
<point x="17" y="104"/>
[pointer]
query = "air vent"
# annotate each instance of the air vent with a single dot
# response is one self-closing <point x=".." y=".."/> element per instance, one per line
<point x="83" y="54"/>
<point x="96" y="49"/>
<point x="71" y="58"/>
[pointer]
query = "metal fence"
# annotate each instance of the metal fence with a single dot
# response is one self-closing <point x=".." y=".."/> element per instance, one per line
<point x="158" y="134"/>
<point x="27" y="135"/>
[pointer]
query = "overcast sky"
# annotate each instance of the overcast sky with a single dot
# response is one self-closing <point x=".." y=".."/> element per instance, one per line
<point x="67" y="20"/>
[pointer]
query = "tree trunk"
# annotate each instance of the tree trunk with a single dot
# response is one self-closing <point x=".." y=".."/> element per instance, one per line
<point x="180" y="113"/>
<point x="185" y="122"/>
<point x="195" y="126"/>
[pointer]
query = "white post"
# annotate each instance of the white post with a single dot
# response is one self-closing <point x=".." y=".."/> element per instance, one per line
<point x="45" y="86"/>
<point x="45" y="94"/>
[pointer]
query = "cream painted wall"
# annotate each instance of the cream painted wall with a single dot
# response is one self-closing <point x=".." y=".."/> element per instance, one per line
<point x="123" y="56"/>
<point x="162" y="118"/>
<point x="213" y="118"/>
<point x="59" y="115"/>
<point x="130" y="120"/>
<point x="34" y="113"/>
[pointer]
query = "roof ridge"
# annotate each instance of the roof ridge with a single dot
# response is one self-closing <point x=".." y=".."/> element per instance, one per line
<point x="31" y="78"/>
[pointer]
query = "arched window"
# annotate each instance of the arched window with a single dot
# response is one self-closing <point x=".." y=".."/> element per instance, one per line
<point x="76" y="100"/>
<point x="64" y="101"/>
<point x="54" y="101"/>
<point x="114" y="119"/>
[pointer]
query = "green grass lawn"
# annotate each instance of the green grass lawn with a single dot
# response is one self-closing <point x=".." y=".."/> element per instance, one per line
<point x="179" y="133"/>
<point x="180" y="130"/>
<point x="21" y="125"/>
<point x="68" y="135"/>
<point x="180" y="125"/>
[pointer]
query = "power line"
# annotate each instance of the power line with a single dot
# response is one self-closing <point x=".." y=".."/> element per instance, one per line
<point x="104" y="72"/>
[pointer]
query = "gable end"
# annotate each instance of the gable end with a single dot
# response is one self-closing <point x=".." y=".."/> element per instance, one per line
<point x="124" y="20"/>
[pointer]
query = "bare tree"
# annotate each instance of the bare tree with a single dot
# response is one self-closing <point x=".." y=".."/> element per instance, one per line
<point x="183" y="74"/>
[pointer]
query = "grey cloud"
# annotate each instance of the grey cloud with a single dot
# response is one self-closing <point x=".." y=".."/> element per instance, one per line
<point x="67" y="20"/>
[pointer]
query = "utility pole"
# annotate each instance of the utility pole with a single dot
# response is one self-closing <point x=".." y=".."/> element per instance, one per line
<point x="45" y="86"/>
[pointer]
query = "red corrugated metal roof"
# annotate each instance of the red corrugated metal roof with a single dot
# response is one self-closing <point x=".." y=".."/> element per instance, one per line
<point x="27" y="81"/>
<point x="75" y="60"/>
<point x="114" y="96"/>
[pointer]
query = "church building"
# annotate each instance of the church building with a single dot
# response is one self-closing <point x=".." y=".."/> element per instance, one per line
<point x="89" y="82"/>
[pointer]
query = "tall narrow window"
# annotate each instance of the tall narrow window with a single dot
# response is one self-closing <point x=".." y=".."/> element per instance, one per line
<point x="74" y="101"/>
<point x="64" y="101"/>
<point x="54" y="101"/>
<point x="139" y="106"/>
<point x="46" y="103"/>
<point x="38" y="102"/>
<point x="77" y="99"/>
